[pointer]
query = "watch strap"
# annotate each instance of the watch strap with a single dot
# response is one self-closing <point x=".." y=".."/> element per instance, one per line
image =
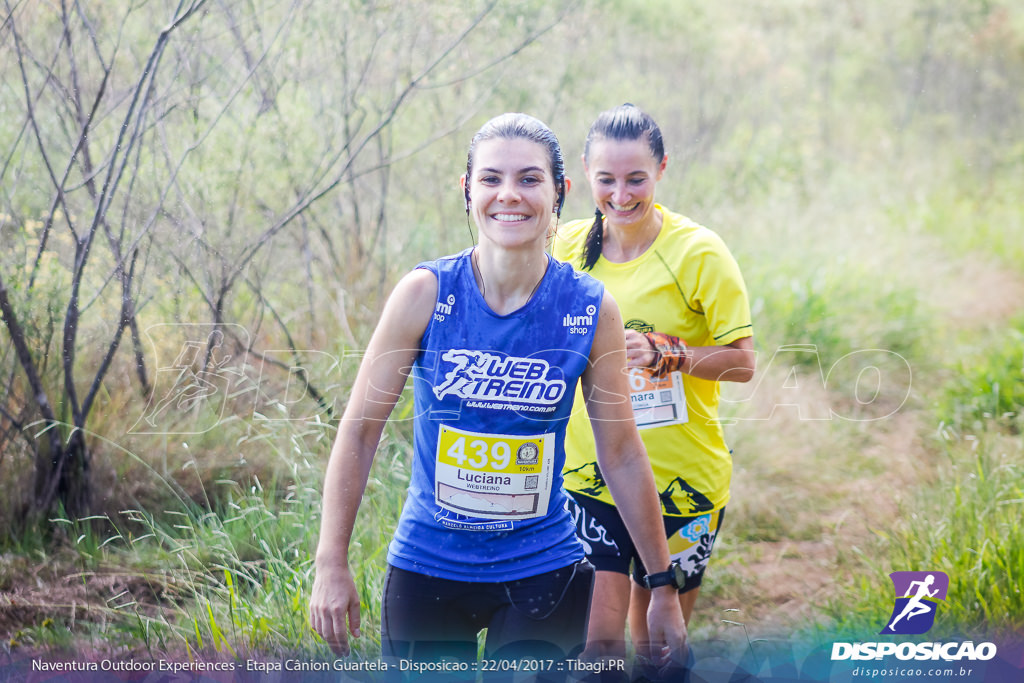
<point x="666" y="578"/>
<point x="673" y="576"/>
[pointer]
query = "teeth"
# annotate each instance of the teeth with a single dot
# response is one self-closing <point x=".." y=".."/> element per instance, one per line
<point x="508" y="217"/>
<point x="623" y="208"/>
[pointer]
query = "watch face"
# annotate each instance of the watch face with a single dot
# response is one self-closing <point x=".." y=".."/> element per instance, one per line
<point x="673" y="576"/>
<point x="678" y="575"/>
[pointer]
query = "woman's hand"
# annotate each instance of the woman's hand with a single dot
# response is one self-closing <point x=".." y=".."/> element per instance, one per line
<point x="639" y="352"/>
<point x="667" y="629"/>
<point x="334" y="606"/>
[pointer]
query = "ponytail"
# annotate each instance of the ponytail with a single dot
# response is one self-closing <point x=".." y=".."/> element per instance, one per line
<point x="595" y="239"/>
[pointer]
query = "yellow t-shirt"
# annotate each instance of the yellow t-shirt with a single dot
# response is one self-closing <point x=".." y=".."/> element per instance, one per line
<point x="686" y="284"/>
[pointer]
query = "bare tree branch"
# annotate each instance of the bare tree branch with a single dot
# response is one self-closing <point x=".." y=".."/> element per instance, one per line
<point x="389" y="114"/>
<point x="126" y="318"/>
<point x="313" y="391"/>
<point x="527" y="41"/>
<point x="15" y="422"/>
<point x="125" y="142"/>
<point x="28" y="366"/>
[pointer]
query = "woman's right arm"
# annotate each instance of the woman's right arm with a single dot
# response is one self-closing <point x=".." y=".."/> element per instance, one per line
<point x="378" y="385"/>
<point x="623" y="461"/>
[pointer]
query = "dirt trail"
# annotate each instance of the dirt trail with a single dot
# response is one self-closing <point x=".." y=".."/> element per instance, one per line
<point x="782" y="583"/>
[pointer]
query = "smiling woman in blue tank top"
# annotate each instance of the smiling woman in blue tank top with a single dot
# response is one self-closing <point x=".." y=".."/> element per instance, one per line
<point x="498" y="337"/>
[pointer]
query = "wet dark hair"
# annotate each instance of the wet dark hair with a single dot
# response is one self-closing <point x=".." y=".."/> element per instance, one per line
<point x="625" y="122"/>
<point x="526" y="127"/>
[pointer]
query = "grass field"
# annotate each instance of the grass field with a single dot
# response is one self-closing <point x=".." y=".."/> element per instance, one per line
<point x="880" y="233"/>
<point x="825" y="506"/>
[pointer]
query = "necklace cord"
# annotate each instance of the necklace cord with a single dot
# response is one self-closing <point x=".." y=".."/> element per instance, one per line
<point x="478" y="275"/>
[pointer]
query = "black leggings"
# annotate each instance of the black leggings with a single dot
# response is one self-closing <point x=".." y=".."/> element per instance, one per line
<point x="543" y="617"/>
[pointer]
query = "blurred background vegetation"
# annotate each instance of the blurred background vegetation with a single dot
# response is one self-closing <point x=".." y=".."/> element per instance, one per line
<point x="203" y="205"/>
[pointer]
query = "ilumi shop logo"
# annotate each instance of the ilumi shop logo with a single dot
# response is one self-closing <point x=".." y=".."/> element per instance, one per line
<point x="917" y="599"/>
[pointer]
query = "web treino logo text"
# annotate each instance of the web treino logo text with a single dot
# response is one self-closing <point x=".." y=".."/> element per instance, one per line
<point x="482" y="376"/>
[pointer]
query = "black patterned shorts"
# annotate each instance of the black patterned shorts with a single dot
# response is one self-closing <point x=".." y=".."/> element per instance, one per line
<point x="609" y="547"/>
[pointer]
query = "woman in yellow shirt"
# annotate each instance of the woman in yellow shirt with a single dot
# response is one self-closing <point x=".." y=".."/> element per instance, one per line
<point x="687" y="317"/>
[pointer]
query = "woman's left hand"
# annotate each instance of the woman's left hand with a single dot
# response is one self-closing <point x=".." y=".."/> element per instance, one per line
<point x="666" y="628"/>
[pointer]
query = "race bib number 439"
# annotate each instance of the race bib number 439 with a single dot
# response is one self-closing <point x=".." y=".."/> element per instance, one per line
<point x="494" y="476"/>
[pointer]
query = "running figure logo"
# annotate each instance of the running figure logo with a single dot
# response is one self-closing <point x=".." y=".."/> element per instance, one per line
<point x="917" y="598"/>
<point x="191" y="394"/>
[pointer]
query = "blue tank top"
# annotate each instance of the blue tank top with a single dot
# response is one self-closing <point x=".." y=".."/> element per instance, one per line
<point x="493" y="394"/>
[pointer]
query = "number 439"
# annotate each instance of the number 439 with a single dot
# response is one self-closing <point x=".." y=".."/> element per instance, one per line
<point x="481" y="453"/>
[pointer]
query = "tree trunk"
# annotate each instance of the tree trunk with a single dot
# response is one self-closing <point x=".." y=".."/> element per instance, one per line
<point x="63" y="477"/>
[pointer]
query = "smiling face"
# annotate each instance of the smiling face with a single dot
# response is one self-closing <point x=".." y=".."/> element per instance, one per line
<point x="622" y="175"/>
<point x="512" y="192"/>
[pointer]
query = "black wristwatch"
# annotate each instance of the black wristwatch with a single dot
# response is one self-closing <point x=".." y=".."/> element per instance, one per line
<point x="673" y="576"/>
